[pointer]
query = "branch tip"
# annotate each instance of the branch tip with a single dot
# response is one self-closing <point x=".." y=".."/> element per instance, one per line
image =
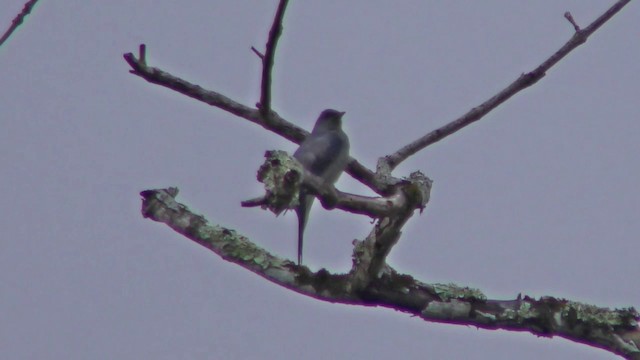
<point x="569" y="17"/>
<point x="258" y="53"/>
<point x="142" y="54"/>
<point x="18" y="20"/>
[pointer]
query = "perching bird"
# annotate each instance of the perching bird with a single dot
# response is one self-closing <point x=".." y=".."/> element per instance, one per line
<point x="324" y="153"/>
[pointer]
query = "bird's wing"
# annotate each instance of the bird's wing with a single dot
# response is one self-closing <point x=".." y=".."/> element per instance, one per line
<point x="318" y="153"/>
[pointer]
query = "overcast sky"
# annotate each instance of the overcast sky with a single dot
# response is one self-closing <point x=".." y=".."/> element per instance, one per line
<point x="540" y="197"/>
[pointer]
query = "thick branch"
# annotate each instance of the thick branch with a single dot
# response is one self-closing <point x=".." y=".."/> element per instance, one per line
<point x="614" y="330"/>
<point x="370" y="255"/>
<point x="523" y="82"/>
<point x="268" y="59"/>
<point x="17" y="21"/>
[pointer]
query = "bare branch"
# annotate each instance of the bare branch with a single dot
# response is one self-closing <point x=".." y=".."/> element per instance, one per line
<point x="268" y="58"/>
<point x="275" y="123"/>
<point x="523" y="82"/>
<point x="614" y="330"/>
<point x="159" y="77"/>
<point x="17" y="21"/>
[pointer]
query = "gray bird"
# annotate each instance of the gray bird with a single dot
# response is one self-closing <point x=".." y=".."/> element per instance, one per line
<point x="324" y="153"/>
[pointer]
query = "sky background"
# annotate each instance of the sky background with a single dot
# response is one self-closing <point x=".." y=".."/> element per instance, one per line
<point x="540" y="197"/>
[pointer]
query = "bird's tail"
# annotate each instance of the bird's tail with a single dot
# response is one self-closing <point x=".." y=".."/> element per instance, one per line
<point x="301" y="224"/>
<point x="303" y="213"/>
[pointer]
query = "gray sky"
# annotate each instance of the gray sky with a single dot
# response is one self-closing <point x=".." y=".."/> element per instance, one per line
<point x="539" y="197"/>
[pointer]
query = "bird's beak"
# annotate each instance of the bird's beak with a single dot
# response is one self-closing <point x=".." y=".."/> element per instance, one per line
<point x="342" y="113"/>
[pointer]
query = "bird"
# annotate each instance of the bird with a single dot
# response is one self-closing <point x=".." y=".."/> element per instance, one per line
<point x="324" y="153"/>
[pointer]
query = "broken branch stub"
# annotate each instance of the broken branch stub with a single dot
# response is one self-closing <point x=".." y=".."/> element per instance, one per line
<point x="281" y="175"/>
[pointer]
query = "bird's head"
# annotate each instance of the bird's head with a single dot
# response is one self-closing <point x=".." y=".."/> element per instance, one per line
<point x="329" y="120"/>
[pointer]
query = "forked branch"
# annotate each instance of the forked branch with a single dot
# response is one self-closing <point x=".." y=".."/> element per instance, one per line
<point x="275" y="123"/>
<point x="372" y="282"/>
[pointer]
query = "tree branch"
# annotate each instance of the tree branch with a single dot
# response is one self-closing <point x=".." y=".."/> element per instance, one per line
<point x="268" y="59"/>
<point x="616" y="331"/>
<point x="523" y="82"/>
<point x="17" y="21"/>
<point x="275" y="124"/>
<point x="371" y="282"/>
<point x="332" y="198"/>
<point x="283" y="177"/>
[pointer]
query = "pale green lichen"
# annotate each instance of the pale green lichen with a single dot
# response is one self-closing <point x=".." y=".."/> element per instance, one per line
<point x="233" y="244"/>
<point x="420" y="191"/>
<point x="453" y="309"/>
<point x="261" y="260"/>
<point x="453" y="291"/>
<point x="600" y="317"/>
<point x="281" y="175"/>
<point x="524" y="310"/>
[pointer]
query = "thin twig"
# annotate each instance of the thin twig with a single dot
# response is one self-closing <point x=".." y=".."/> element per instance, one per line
<point x="569" y="17"/>
<point x="524" y="81"/>
<point x="258" y="53"/>
<point x="26" y="10"/>
<point x="268" y="59"/>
